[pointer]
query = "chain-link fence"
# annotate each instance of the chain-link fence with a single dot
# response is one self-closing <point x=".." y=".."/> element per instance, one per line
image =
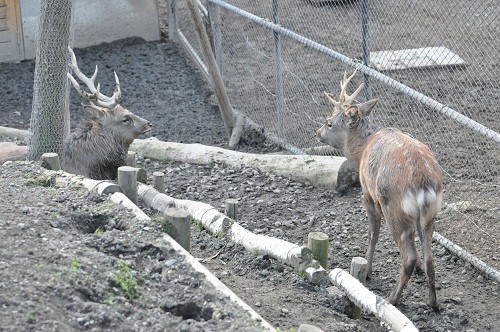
<point x="434" y="68"/>
<point x="50" y="115"/>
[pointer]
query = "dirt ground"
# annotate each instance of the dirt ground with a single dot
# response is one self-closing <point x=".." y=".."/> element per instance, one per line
<point x="58" y="270"/>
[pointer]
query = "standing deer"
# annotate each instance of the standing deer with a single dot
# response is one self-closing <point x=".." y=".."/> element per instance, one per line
<point x="100" y="145"/>
<point x="400" y="179"/>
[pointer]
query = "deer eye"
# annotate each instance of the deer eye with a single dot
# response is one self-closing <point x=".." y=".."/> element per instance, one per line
<point x="329" y="124"/>
<point x="127" y="119"/>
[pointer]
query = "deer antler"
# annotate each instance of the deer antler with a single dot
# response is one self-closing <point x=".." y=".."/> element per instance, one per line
<point x="345" y="100"/>
<point x="95" y="96"/>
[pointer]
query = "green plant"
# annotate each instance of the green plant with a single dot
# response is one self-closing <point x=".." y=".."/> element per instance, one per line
<point x="98" y="231"/>
<point x="74" y="266"/>
<point x="125" y="280"/>
<point x="39" y="181"/>
<point x="109" y="301"/>
<point x="31" y="319"/>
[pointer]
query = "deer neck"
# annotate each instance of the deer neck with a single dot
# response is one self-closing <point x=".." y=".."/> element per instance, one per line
<point x="356" y="141"/>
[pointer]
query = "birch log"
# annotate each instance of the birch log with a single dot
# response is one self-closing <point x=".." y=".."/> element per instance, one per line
<point x="367" y="300"/>
<point x="217" y="223"/>
<point x="318" y="170"/>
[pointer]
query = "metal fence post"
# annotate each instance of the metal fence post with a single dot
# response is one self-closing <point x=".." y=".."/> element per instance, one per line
<point x="280" y="101"/>
<point x="365" y="43"/>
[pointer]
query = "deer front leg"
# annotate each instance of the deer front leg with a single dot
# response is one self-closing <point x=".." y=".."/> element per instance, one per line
<point x="374" y="216"/>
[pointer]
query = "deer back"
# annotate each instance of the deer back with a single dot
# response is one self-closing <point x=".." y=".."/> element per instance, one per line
<point x="401" y="173"/>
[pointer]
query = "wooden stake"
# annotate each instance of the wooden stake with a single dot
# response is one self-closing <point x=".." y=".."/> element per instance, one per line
<point x="358" y="270"/>
<point x="318" y="243"/>
<point x="232" y="209"/>
<point x="233" y="127"/>
<point x="159" y="181"/>
<point x="50" y="161"/>
<point x="179" y="219"/>
<point x="127" y="180"/>
<point x="131" y="159"/>
<point x="142" y="175"/>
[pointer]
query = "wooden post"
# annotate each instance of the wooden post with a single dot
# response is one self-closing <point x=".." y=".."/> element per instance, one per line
<point x="232" y="120"/>
<point x="142" y="175"/>
<point x="127" y="180"/>
<point x="50" y="161"/>
<point x="318" y="243"/>
<point x="158" y="181"/>
<point x="131" y="159"/>
<point x="232" y="209"/>
<point x="179" y="219"/>
<point x="358" y="270"/>
<point x="172" y="20"/>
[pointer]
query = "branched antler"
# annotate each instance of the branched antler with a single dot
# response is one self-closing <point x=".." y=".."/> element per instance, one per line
<point x="95" y="96"/>
<point x="345" y="100"/>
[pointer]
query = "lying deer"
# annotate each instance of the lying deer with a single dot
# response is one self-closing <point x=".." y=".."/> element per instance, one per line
<point x="400" y="179"/>
<point x="100" y="143"/>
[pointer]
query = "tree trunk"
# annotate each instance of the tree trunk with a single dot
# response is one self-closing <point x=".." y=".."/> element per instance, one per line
<point x="50" y="113"/>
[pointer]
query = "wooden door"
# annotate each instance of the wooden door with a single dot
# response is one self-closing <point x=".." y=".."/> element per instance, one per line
<point x="11" y="41"/>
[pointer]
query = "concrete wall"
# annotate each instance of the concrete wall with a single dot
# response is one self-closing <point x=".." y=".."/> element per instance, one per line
<point x="97" y="21"/>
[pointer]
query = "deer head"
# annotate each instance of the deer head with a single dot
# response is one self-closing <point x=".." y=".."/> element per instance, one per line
<point x="106" y="112"/>
<point x="346" y="115"/>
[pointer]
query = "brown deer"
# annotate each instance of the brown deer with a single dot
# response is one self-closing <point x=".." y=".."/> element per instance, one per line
<point x="100" y="145"/>
<point x="400" y="179"/>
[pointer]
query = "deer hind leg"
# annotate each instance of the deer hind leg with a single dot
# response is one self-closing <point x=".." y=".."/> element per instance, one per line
<point x="405" y="240"/>
<point x="428" y="263"/>
<point x="374" y="217"/>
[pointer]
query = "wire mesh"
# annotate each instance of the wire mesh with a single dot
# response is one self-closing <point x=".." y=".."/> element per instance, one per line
<point x="50" y="111"/>
<point x="278" y="81"/>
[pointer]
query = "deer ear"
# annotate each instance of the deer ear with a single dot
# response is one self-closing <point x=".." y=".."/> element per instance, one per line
<point x="93" y="111"/>
<point x="366" y="107"/>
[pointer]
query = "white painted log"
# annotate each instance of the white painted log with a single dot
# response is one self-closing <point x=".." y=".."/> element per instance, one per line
<point x="120" y="198"/>
<point x="15" y="133"/>
<point x="317" y="170"/>
<point x="217" y="223"/>
<point x="467" y="256"/>
<point x="364" y="298"/>
<point x="218" y="284"/>
<point x="127" y="180"/>
<point x="50" y="161"/>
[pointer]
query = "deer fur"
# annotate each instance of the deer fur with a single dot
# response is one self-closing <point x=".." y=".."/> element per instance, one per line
<point x="400" y="179"/>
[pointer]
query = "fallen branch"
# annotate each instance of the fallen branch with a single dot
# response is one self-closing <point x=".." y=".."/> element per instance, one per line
<point x="467" y="256"/>
<point x="364" y="298"/>
<point x="218" y="223"/>
<point x="317" y="170"/>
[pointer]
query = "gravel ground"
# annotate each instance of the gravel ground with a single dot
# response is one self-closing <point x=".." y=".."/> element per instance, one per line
<point x="60" y="274"/>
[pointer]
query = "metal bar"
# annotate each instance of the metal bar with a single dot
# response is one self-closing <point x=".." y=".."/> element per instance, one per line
<point x="280" y="100"/>
<point x="420" y="97"/>
<point x="192" y="53"/>
<point x="365" y="43"/>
